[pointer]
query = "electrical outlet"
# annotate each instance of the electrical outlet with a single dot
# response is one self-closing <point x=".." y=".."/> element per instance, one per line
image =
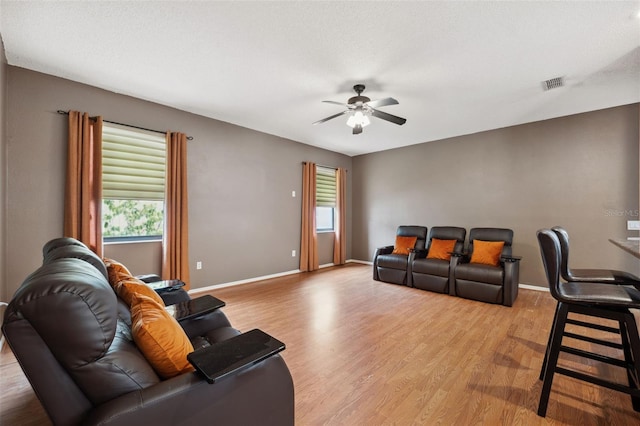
<point x="198" y="265"/>
<point x="293" y="253"/>
<point x="633" y="225"/>
<point x="293" y="194"/>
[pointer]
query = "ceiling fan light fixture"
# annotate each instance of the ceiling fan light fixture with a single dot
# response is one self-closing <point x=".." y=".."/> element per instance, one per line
<point x="359" y="108"/>
<point x="358" y="118"/>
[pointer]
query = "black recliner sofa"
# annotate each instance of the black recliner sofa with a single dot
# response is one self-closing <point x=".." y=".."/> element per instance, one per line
<point x="72" y="336"/>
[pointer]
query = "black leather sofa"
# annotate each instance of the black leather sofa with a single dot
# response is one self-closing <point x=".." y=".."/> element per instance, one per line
<point x="457" y="276"/>
<point x="72" y="336"/>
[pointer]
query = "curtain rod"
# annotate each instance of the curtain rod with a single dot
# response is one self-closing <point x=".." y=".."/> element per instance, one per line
<point x="190" y="138"/>
<point x="326" y="167"/>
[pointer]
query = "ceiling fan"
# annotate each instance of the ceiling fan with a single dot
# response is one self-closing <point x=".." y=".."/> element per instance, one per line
<point x="361" y="107"/>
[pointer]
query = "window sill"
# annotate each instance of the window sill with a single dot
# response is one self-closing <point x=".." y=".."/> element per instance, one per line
<point x="132" y="241"/>
<point x="325" y="231"/>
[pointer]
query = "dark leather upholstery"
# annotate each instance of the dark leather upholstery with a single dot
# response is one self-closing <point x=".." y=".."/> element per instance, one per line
<point x="436" y="274"/>
<point x="589" y="300"/>
<point x="393" y="268"/>
<point x="605" y="276"/>
<point x="492" y="284"/>
<point x="72" y="337"/>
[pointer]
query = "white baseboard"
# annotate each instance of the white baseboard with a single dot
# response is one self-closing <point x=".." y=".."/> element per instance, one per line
<point x="297" y="271"/>
<point x="363" y="262"/>
<point x="533" y="287"/>
<point x="266" y="277"/>
<point x="248" y="280"/>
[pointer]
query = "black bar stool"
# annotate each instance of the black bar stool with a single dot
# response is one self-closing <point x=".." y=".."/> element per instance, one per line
<point x="595" y="300"/>
<point x="604" y="276"/>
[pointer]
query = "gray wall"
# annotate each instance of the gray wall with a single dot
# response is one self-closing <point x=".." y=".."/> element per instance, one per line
<point x="3" y="171"/>
<point x="243" y="221"/>
<point x="579" y="171"/>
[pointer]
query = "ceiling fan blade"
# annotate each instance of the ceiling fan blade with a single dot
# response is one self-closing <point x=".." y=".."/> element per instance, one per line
<point x="357" y="129"/>
<point x="382" y="102"/>
<point x="331" y="117"/>
<point x="336" y="103"/>
<point x="388" y="117"/>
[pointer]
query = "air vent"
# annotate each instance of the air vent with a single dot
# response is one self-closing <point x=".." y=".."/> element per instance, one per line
<point x="553" y="83"/>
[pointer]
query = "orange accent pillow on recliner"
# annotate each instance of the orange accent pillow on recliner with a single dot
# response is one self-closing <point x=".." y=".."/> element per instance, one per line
<point x="125" y="285"/>
<point x="487" y="252"/>
<point x="441" y="249"/>
<point x="404" y="244"/>
<point x="128" y="288"/>
<point x="116" y="270"/>
<point x="160" y="338"/>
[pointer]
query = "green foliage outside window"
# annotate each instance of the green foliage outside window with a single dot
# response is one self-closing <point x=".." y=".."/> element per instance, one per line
<point x="132" y="218"/>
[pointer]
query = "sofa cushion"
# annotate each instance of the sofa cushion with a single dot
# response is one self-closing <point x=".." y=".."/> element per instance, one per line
<point x="393" y="261"/>
<point x="437" y="267"/>
<point x="487" y="252"/>
<point x="159" y="337"/>
<point x="441" y="249"/>
<point x="480" y="273"/>
<point x="404" y="245"/>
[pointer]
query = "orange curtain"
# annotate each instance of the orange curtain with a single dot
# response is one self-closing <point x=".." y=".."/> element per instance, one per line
<point x="175" y="245"/>
<point x="83" y="191"/>
<point x="308" y="236"/>
<point x="340" y="240"/>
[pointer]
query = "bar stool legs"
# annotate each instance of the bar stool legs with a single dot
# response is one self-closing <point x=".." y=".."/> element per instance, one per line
<point x="551" y="356"/>
<point x="630" y="346"/>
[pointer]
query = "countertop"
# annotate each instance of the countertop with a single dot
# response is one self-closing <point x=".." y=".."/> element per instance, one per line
<point x="630" y="246"/>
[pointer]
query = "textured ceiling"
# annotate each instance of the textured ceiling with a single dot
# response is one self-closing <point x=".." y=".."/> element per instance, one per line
<point x="455" y="67"/>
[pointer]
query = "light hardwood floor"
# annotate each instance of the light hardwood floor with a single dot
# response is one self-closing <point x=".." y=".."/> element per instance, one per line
<point x="363" y="352"/>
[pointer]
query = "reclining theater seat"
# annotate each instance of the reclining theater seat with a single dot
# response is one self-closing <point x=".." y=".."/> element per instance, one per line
<point x="433" y="269"/>
<point x="72" y="337"/>
<point x="393" y="267"/>
<point x="476" y="278"/>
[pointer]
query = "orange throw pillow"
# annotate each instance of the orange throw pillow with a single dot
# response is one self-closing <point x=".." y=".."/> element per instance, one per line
<point x="160" y="338"/>
<point x="127" y="289"/>
<point x="440" y="249"/>
<point x="404" y="244"/>
<point x="487" y="252"/>
<point x="116" y="270"/>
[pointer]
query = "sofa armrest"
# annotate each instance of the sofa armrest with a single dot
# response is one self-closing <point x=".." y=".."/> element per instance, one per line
<point x="383" y="250"/>
<point x="378" y="252"/>
<point x="461" y="256"/>
<point x="203" y="325"/>
<point x="149" y="278"/>
<point x="188" y="399"/>
<point x="419" y="253"/>
<point x="232" y="355"/>
<point x="510" y="259"/>
<point x="194" y="308"/>
<point x="511" y="279"/>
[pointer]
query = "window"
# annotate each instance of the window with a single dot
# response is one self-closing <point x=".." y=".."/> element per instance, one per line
<point x="325" y="198"/>
<point x="133" y="176"/>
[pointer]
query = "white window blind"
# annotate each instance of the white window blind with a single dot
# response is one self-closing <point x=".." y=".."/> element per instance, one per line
<point x="133" y="163"/>
<point x="325" y="187"/>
